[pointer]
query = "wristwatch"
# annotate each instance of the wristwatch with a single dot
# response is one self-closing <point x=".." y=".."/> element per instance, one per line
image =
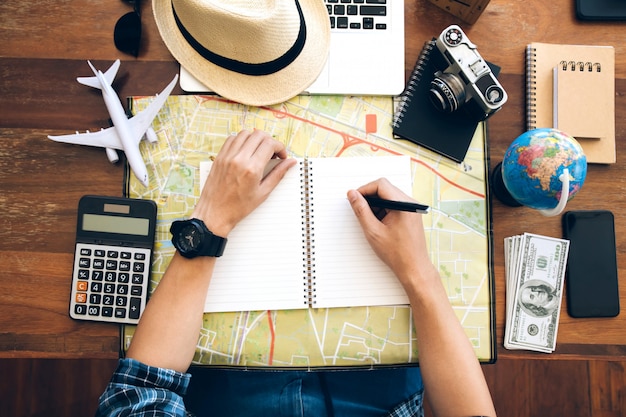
<point x="192" y="238"/>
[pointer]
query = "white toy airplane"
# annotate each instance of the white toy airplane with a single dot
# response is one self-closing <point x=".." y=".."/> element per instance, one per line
<point x="125" y="134"/>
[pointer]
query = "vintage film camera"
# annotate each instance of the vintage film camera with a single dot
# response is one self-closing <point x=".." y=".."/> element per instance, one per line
<point x="464" y="79"/>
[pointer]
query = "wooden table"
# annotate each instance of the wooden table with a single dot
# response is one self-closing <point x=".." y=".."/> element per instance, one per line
<point x="44" y="47"/>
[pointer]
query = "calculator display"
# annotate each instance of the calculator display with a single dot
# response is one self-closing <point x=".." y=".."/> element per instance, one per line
<point x="115" y="224"/>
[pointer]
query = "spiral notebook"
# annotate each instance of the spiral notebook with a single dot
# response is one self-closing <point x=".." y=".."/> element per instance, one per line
<point x="303" y="247"/>
<point x="417" y="120"/>
<point x="572" y="88"/>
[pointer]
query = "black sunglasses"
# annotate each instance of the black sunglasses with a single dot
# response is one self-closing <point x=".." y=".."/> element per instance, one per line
<point x="127" y="33"/>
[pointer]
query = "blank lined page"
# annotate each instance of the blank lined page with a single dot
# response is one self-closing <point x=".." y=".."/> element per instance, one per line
<point x="347" y="271"/>
<point x="262" y="266"/>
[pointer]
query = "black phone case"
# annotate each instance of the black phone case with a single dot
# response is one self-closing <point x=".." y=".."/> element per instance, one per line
<point x="591" y="276"/>
<point x="601" y="9"/>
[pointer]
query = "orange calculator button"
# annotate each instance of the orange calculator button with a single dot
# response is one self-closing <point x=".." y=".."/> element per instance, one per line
<point x="81" y="286"/>
<point x="81" y="297"/>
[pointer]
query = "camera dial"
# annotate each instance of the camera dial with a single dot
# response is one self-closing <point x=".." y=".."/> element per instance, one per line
<point x="453" y="36"/>
<point x="494" y="94"/>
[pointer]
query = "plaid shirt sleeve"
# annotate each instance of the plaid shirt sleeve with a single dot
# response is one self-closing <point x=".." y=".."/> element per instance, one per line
<point x="412" y="407"/>
<point x="137" y="389"/>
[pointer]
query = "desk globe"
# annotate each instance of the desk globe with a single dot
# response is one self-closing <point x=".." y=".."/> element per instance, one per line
<point x="536" y="167"/>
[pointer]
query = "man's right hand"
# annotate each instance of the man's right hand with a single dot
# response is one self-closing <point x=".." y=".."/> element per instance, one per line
<point x="397" y="237"/>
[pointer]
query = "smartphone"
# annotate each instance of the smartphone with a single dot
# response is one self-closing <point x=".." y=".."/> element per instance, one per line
<point x="591" y="278"/>
<point x="601" y="9"/>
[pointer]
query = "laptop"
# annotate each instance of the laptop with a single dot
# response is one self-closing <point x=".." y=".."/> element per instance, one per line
<point x="366" y="54"/>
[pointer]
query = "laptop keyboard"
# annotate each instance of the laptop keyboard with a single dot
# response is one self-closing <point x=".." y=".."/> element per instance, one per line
<point x="358" y="14"/>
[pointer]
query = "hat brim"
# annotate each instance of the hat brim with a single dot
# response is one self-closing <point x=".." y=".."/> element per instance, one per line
<point x="256" y="90"/>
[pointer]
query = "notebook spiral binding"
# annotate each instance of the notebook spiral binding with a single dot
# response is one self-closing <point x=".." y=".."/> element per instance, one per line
<point x="308" y="230"/>
<point x="580" y="66"/>
<point x="416" y="75"/>
<point x="531" y="85"/>
<point x="531" y="81"/>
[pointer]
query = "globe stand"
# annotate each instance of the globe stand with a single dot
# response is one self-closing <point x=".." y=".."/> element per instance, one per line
<point x="499" y="189"/>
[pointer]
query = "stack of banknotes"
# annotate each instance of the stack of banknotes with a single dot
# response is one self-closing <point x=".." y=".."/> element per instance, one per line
<point x="535" y="271"/>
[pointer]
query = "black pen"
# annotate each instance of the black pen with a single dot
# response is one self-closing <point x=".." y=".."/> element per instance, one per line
<point x="396" y="205"/>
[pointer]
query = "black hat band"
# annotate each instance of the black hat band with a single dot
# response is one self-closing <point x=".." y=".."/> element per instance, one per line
<point x="246" y="68"/>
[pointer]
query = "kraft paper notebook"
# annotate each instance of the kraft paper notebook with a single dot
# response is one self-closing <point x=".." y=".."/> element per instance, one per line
<point x="572" y="88"/>
<point x="303" y="247"/>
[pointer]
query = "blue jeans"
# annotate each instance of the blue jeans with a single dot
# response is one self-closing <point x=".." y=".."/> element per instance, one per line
<point x="232" y="392"/>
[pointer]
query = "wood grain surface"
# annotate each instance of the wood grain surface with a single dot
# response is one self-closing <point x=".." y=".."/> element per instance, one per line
<point x="44" y="47"/>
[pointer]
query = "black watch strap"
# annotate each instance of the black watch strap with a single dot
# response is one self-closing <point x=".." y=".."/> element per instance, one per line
<point x="212" y="245"/>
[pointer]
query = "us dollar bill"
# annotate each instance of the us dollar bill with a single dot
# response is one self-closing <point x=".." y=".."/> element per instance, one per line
<point x="534" y="291"/>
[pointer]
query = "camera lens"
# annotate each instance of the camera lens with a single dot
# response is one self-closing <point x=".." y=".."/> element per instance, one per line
<point x="447" y="92"/>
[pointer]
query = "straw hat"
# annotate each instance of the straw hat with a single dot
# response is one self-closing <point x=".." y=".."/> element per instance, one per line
<point x="255" y="52"/>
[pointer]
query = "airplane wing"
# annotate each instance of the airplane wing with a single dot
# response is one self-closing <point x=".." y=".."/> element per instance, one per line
<point x="108" y="138"/>
<point x="105" y="138"/>
<point x="142" y="120"/>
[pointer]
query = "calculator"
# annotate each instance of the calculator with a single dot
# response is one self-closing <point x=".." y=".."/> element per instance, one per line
<point x="112" y="259"/>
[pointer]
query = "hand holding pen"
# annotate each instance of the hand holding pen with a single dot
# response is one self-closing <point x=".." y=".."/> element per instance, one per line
<point x="395" y="234"/>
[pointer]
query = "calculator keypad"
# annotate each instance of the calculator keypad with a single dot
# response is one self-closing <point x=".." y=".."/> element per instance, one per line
<point x="110" y="283"/>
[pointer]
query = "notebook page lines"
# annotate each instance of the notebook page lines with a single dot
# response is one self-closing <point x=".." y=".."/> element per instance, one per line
<point x="262" y="266"/>
<point x="347" y="271"/>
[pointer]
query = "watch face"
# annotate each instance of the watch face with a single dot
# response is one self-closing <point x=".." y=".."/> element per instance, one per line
<point x="188" y="239"/>
<point x="192" y="238"/>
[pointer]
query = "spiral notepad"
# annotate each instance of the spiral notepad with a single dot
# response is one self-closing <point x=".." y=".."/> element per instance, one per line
<point x="303" y="247"/>
<point x="572" y="88"/>
<point x="417" y="120"/>
<point x="411" y="88"/>
<point x="582" y="100"/>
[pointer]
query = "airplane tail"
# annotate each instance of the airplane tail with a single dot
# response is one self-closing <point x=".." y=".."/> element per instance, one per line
<point x="94" y="82"/>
